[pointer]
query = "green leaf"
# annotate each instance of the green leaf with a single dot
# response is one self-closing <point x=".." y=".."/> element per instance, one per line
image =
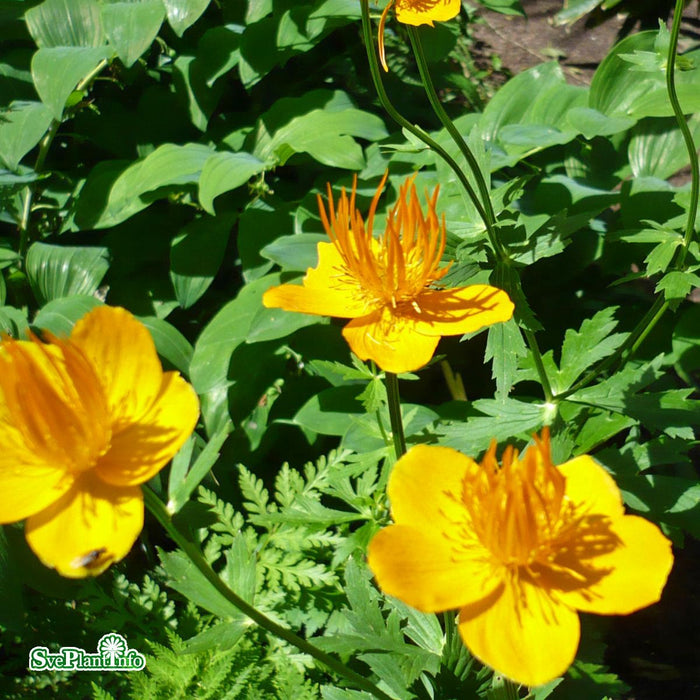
<point x="180" y="491"/>
<point x="591" y="343"/>
<point x="21" y="128"/>
<point x="504" y="346"/>
<point x="58" y="70"/>
<point x="62" y="271"/>
<point x="223" y="172"/>
<point x="591" y="122"/>
<point x="224" y="333"/>
<point x="184" y="13"/>
<point x="13" y="321"/>
<point x="113" y="193"/>
<point x="686" y="340"/>
<point x="270" y="324"/>
<point x="196" y="254"/>
<point x="298" y="252"/>
<point x="65" y="23"/>
<point x="131" y="27"/>
<point x="170" y="343"/>
<point x="676" y="285"/>
<point x="331" y="411"/>
<point x="59" y="316"/>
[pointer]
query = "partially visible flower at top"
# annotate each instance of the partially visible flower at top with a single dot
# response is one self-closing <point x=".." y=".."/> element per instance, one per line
<point x="519" y="548"/>
<point x="387" y="285"/>
<point x="417" y="12"/>
<point x="83" y="421"/>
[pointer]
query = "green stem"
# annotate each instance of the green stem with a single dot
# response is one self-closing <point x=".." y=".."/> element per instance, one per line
<point x="41" y="158"/>
<point x="419" y="133"/>
<point x="687" y="136"/>
<point x="161" y="514"/>
<point x="539" y="365"/>
<point x="490" y="214"/>
<point x="392" y="390"/>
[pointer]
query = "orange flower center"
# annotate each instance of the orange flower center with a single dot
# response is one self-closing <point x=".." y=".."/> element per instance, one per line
<point x="54" y="401"/>
<point x="520" y="512"/>
<point x="393" y="269"/>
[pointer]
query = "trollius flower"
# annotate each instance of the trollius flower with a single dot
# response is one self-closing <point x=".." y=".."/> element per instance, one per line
<point x="83" y="422"/>
<point x="417" y="12"/>
<point x="519" y="549"/>
<point x="388" y="285"/>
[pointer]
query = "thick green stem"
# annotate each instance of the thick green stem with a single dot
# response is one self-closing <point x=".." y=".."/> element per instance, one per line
<point x="419" y="133"/>
<point x="426" y="79"/>
<point x="161" y="514"/>
<point x="687" y="136"/>
<point x="392" y="390"/>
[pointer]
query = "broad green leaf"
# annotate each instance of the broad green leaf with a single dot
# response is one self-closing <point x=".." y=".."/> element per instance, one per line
<point x="196" y="254"/>
<point x="113" y="193"/>
<point x="21" y="128"/>
<point x="184" y="13"/>
<point x="657" y="147"/>
<point x="65" y="23"/>
<point x="218" y="638"/>
<point x="170" y="343"/>
<point x="131" y="27"/>
<point x="58" y="70"/>
<point x="13" y="321"/>
<point x="223" y="172"/>
<point x="298" y="252"/>
<point x="191" y="79"/>
<point x="59" y="316"/>
<point x="223" y="334"/>
<point x="591" y="122"/>
<point x="270" y="324"/>
<point x="331" y="411"/>
<point x="63" y="271"/>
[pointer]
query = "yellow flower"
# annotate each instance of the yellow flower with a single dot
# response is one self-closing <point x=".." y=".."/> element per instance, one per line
<point x="83" y="422"/>
<point x="387" y="285"/>
<point x="417" y="12"/>
<point x="519" y="549"/>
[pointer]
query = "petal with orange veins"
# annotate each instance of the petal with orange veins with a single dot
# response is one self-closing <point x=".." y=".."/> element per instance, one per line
<point x="90" y="527"/>
<point x="124" y="357"/>
<point x="425" y="488"/>
<point x="427" y="571"/>
<point x="141" y="449"/>
<point x="417" y="12"/>
<point x="630" y="577"/>
<point x="461" y="310"/>
<point x="522" y="632"/>
<point x="391" y="342"/>
<point x="28" y="484"/>
<point x="326" y="290"/>
<point x="591" y="489"/>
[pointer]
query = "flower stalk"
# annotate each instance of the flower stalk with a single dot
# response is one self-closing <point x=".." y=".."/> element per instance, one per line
<point x="394" y="400"/>
<point x="161" y="514"/>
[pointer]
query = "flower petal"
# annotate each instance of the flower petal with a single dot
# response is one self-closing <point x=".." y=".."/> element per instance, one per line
<point x="523" y="632"/>
<point x="391" y="342"/>
<point x="124" y="358"/>
<point x="27" y="483"/>
<point x="90" y="527"/>
<point x="326" y="290"/>
<point x="461" y="310"/>
<point x="425" y="488"/>
<point x="637" y="570"/>
<point x="141" y="449"/>
<point x="426" y="571"/>
<point x="426" y="12"/>
<point x="591" y="488"/>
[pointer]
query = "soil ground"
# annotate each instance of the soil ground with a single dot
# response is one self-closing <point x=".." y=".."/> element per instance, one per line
<point x="657" y="650"/>
<point x="521" y="43"/>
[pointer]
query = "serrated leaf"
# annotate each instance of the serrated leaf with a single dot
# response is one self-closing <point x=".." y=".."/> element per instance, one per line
<point x="591" y="343"/>
<point x="504" y="346"/>
<point x="62" y="271"/>
<point x="677" y="285"/>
